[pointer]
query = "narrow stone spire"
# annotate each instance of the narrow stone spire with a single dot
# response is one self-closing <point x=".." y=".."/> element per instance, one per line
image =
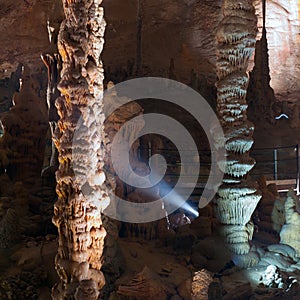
<point x="81" y="188"/>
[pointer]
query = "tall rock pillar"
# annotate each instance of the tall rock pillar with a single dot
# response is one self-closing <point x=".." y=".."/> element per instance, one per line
<point x="81" y="187"/>
<point x="236" y="199"/>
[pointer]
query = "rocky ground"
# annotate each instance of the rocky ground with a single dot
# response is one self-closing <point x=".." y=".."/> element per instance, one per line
<point x="192" y="263"/>
<point x="177" y="42"/>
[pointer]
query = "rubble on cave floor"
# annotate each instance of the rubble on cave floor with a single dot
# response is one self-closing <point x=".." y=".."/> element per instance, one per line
<point x="185" y="273"/>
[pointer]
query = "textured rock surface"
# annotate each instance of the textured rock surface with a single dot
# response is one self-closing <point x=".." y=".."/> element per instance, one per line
<point x="24" y="34"/>
<point x="289" y="233"/>
<point x="282" y="26"/>
<point x="147" y="284"/>
<point x="24" y="131"/>
<point x="200" y="285"/>
<point x="114" y="122"/>
<point x="260" y="96"/>
<point x="184" y="31"/>
<point x="269" y="216"/>
<point x="81" y="188"/>
<point x="9" y="229"/>
<point x="237" y="200"/>
<point x="53" y="64"/>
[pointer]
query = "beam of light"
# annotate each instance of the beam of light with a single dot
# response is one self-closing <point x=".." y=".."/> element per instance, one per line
<point x="173" y="200"/>
<point x="1" y="129"/>
<point x="177" y="199"/>
<point x="281" y="116"/>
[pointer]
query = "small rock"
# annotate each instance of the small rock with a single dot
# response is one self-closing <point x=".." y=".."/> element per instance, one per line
<point x="133" y="253"/>
<point x="175" y="297"/>
<point x="50" y="237"/>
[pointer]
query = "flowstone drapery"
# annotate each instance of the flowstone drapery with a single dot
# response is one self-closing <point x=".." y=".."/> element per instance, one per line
<point x="81" y="187"/>
<point x="289" y="233"/>
<point x="236" y="199"/>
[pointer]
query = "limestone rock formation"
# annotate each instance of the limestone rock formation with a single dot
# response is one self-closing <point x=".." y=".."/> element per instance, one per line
<point x="237" y="199"/>
<point x="53" y="64"/>
<point x="147" y="284"/>
<point x="9" y="229"/>
<point x="81" y="187"/>
<point x="289" y="233"/>
<point x="24" y="131"/>
<point x="202" y="225"/>
<point x="113" y="123"/>
<point x="273" y="278"/>
<point x="282" y="21"/>
<point x="194" y="46"/>
<point x="261" y="97"/>
<point x="269" y="215"/>
<point x="8" y="87"/>
<point x="196" y="21"/>
<point x="200" y="285"/>
<point x="175" y="31"/>
<point x="27" y="22"/>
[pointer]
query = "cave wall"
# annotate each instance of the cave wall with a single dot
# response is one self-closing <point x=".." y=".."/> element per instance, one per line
<point x="24" y="34"/>
<point x="282" y="26"/>
<point x="180" y="30"/>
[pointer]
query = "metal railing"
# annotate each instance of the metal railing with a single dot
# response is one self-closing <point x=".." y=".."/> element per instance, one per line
<point x="279" y="165"/>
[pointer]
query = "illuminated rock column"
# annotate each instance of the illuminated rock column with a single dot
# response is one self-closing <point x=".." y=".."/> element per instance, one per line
<point x="81" y="187"/>
<point x="236" y="199"/>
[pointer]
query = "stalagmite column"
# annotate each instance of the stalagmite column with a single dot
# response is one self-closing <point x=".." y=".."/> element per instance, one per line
<point x="237" y="199"/>
<point x="260" y="94"/>
<point x="81" y="189"/>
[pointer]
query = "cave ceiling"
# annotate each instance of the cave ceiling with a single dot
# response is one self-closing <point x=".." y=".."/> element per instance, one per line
<point x="180" y="30"/>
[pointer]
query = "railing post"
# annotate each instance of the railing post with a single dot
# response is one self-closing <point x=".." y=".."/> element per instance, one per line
<point x="150" y="152"/>
<point x="297" y="175"/>
<point x="275" y="165"/>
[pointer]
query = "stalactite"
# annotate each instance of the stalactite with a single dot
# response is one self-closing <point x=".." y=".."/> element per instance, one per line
<point x="53" y="64"/>
<point x="81" y="198"/>
<point x="236" y="199"/>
